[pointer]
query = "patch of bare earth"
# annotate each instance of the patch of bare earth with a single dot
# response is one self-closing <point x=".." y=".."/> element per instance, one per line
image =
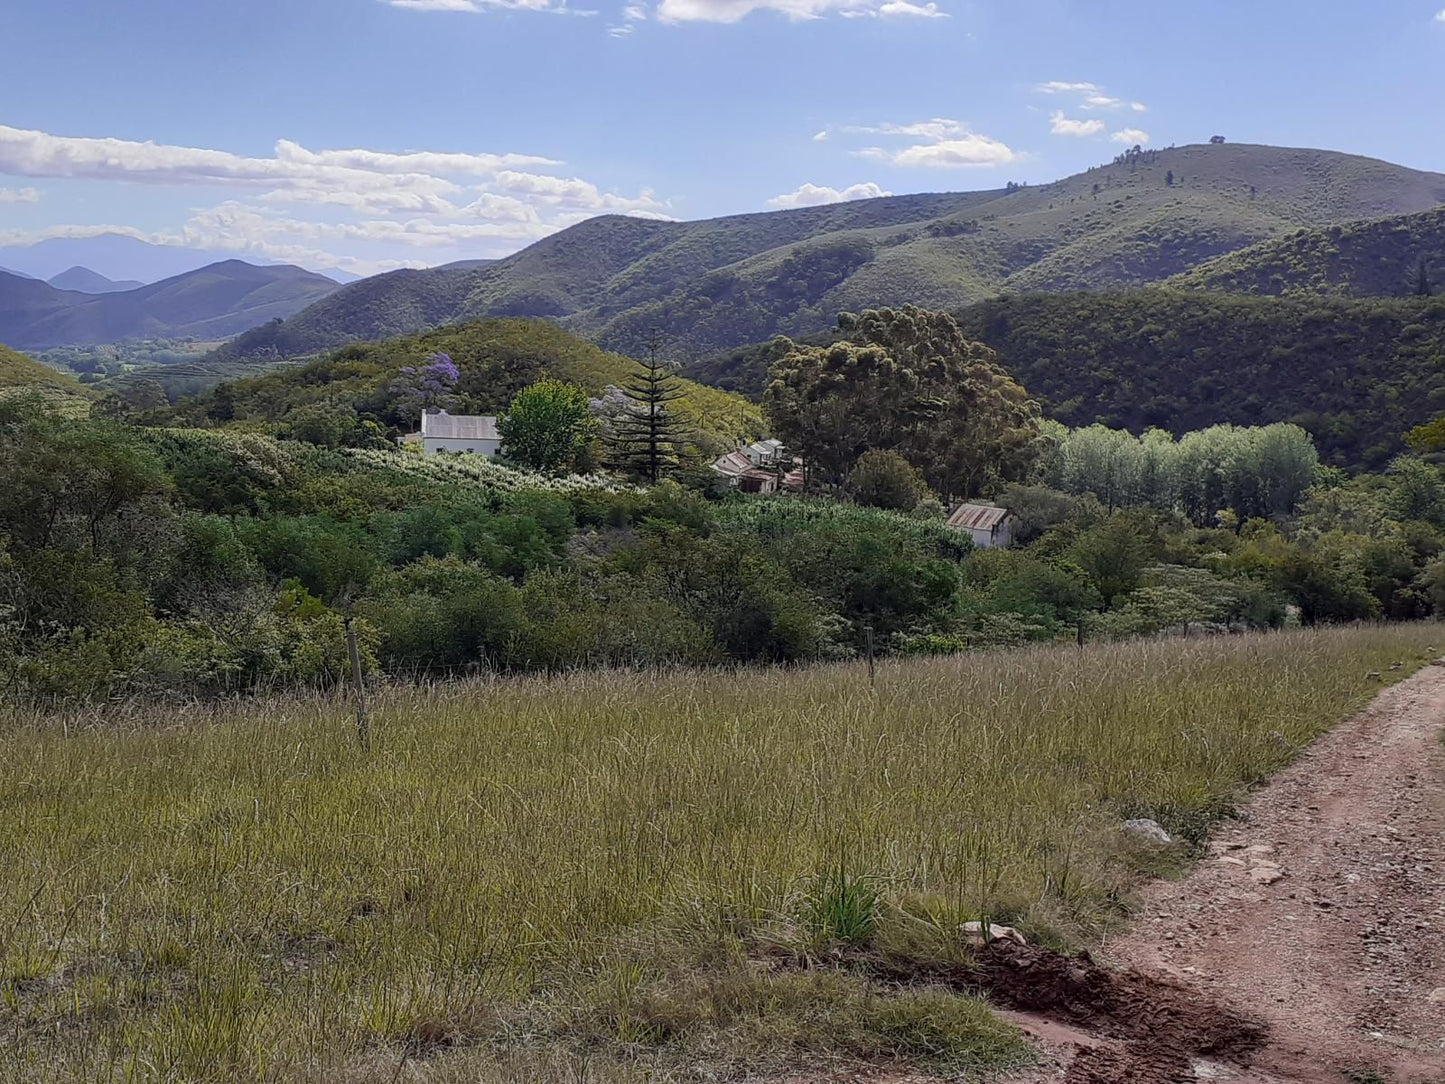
<point x="1320" y="919"/>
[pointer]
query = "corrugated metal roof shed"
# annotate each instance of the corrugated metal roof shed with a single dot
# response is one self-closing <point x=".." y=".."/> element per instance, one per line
<point x="444" y="426"/>
<point x="977" y="517"/>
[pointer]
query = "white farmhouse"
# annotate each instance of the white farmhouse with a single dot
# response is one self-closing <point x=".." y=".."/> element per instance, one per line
<point x="443" y="432"/>
<point x="990" y="527"/>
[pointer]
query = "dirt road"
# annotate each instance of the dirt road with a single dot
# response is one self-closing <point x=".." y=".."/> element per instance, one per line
<point x="1320" y="917"/>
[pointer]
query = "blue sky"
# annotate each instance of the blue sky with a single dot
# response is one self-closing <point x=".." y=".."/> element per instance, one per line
<point x="370" y="134"/>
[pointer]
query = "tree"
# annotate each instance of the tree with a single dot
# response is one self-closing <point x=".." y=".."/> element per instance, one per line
<point x="1113" y="555"/>
<point x="1417" y="490"/>
<point x="418" y="388"/>
<point x="547" y="427"/>
<point x="1422" y="286"/>
<point x="223" y="403"/>
<point x="884" y="479"/>
<point x="645" y="435"/>
<point x="1169" y="179"/>
<point x="1105" y="462"/>
<point x="905" y="380"/>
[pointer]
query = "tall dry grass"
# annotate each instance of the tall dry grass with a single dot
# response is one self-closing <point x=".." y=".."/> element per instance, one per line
<point x="587" y="863"/>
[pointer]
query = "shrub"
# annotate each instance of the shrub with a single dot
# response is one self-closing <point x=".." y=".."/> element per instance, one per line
<point x="884" y="479"/>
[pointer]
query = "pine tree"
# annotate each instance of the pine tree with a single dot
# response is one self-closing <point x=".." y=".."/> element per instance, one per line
<point x="1423" y="286"/>
<point x="646" y="435"/>
<point x="1169" y="179"/>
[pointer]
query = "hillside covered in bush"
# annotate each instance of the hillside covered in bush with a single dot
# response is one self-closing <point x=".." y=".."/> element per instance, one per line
<point x="717" y="284"/>
<point x="1401" y="256"/>
<point x="496" y="359"/>
<point x="1357" y="374"/>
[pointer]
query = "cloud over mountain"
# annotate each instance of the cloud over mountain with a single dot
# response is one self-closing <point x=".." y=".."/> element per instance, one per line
<point x="361" y="209"/>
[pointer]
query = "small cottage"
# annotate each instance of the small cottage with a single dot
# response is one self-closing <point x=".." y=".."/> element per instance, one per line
<point x="443" y="432"/>
<point x="757" y="467"/>
<point x="989" y="526"/>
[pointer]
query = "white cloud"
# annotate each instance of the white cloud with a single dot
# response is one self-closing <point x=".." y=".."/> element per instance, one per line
<point x="632" y="13"/>
<point x="820" y="137"/>
<point x="812" y="195"/>
<point x="1090" y="95"/>
<point x="731" y="11"/>
<point x="950" y="144"/>
<point x="1057" y="87"/>
<point x="903" y="7"/>
<point x="1131" y="136"/>
<point x="19" y="195"/>
<point x="573" y="193"/>
<point x="383" y="202"/>
<point x="937" y="128"/>
<point x="404" y="181"/>
<point x="971" y="151"/>
<point x="1440" y="16"/>
<point x="471" y="165"/>
<point x="1061" y="125"/>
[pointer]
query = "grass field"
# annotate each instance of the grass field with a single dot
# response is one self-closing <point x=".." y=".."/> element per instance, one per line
<point x="609" y="877"/>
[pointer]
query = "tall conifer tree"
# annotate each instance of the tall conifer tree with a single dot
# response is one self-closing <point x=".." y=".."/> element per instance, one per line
<point x="645" y="436"/>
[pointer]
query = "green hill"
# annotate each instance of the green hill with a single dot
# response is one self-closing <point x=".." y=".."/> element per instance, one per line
<point x="20" y="375"/>
<point x="497" y="358"/>
<point x="721" y="283"/>
<point x="1358" y="259"/>
<point x="212" y="302"/>
<point x="1355" y="373"/>
<point x="17" y="371"/>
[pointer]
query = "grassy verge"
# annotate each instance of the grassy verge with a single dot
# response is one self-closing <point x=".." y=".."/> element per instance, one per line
<point x="586" y="878"/>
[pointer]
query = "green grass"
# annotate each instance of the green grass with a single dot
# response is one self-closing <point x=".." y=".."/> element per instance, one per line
<point x="586" y="877"/>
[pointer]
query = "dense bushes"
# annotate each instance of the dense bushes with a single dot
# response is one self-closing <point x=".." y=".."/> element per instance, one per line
<point x="170" y="562"/>
<point x="1355" y="374"/>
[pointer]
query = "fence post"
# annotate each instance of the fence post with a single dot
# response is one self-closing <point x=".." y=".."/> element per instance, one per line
<point x="363" y="727"/>
<point x="1081" y="634"/>
<point x="868" y="640"/>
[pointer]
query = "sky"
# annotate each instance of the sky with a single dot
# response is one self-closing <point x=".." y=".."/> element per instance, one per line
<point x="367" y="135"/>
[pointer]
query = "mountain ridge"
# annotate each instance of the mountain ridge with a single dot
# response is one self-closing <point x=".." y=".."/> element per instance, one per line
<point x="714" y="284"/>
<point x="1373" y="258"/>
<point x="212" y="302"/>
<point x="84" y="280"/>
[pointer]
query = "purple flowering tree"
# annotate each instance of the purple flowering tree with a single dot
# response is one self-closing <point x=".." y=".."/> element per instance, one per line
<point x="432" y="384"/>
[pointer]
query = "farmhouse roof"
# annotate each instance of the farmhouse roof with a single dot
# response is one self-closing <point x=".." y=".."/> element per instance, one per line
<point x="733" y="463"/>
<point x="440" y="425"/>
<point x="977" y="517"/>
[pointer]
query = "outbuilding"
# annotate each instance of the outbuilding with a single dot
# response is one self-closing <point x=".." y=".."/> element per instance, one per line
<point x="476" y="433"/>
<point x="989" y="526"/>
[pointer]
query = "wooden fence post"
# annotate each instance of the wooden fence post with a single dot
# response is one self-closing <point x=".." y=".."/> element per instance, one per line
<point x="868" y="640"/>
<point x="363" y="727"/>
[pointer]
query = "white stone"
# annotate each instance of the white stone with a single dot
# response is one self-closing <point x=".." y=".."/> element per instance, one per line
<point x="1143" y="828"/>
